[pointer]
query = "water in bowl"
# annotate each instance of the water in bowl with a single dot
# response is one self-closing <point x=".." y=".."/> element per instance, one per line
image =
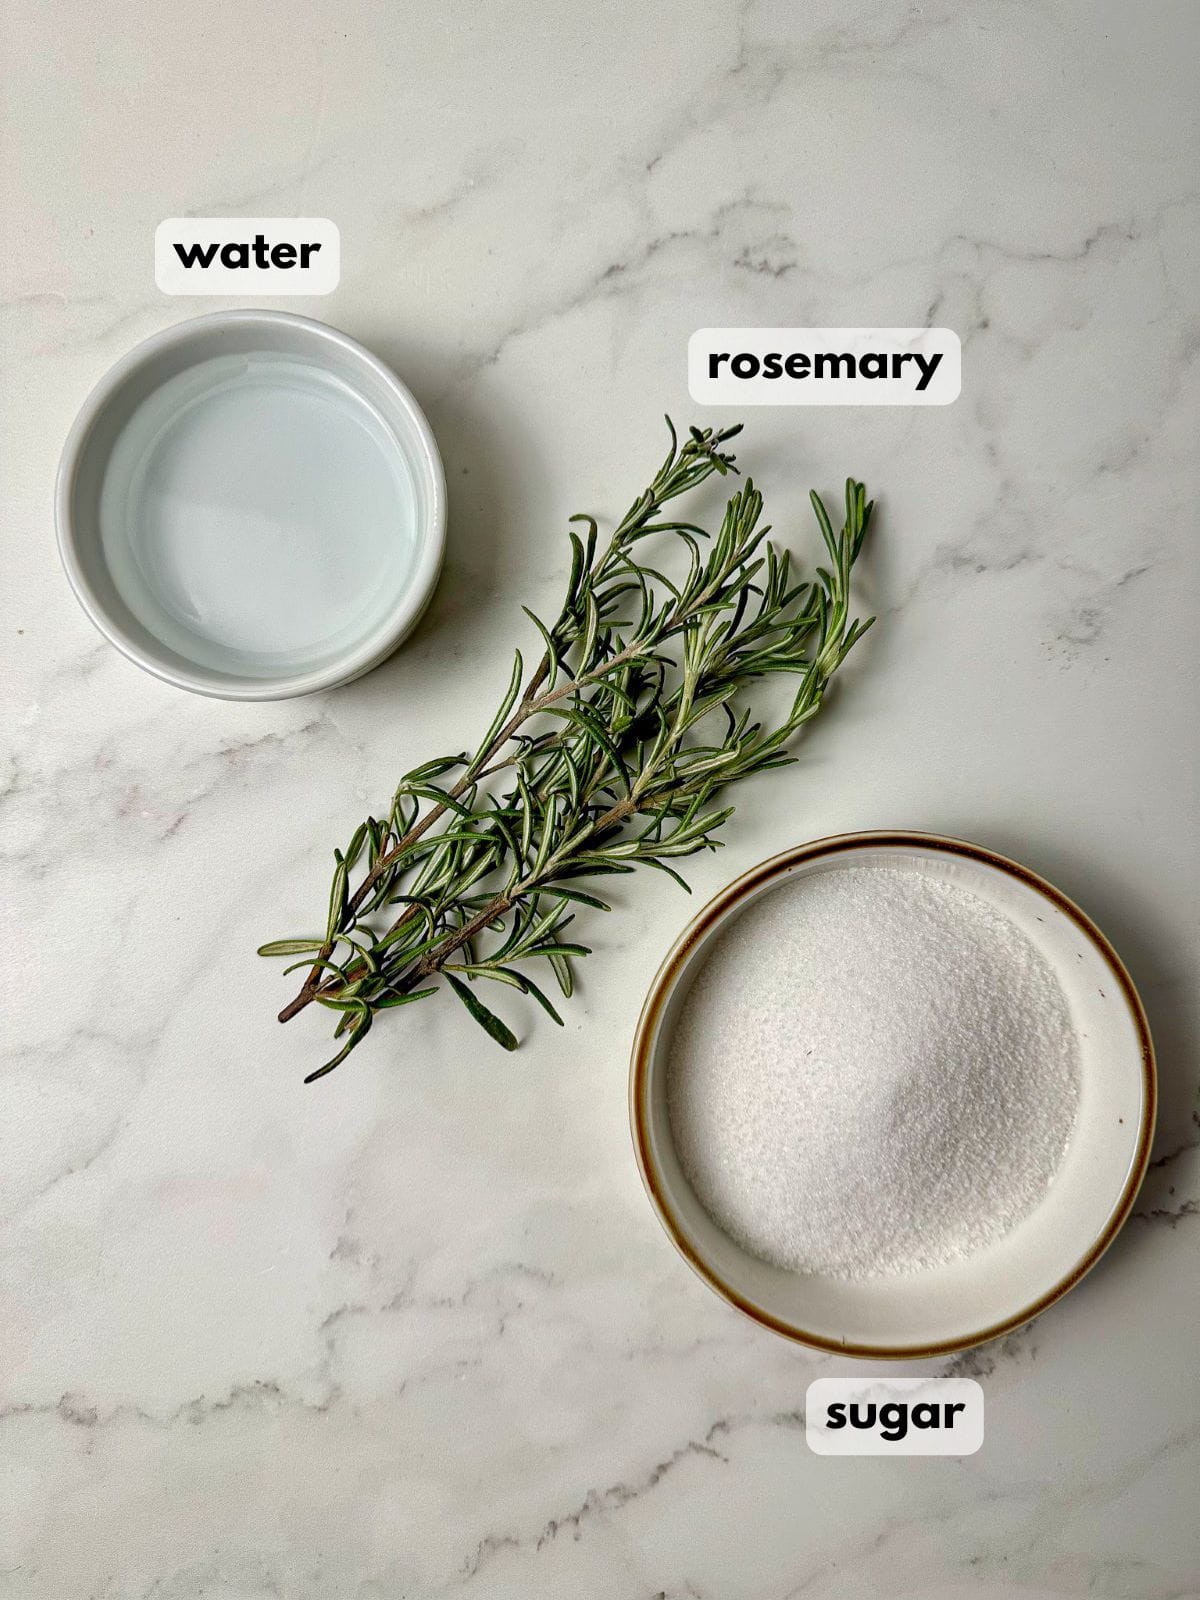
<point x="258" y="515"/>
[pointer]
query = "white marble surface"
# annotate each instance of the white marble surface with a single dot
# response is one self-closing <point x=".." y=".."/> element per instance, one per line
<point x="414" y="1331"/>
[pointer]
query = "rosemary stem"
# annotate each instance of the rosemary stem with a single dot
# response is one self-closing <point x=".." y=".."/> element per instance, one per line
<point x="530" y="704"/>
<point x="313" y="984"/>
<point x="433" y="960"/>
<point x="638" y="516"/>
<point x="639" y="672"/>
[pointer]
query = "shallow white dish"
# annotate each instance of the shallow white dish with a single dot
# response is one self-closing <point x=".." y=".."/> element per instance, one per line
<point x="250" y="505"/>
<point x="995" y="1290"/>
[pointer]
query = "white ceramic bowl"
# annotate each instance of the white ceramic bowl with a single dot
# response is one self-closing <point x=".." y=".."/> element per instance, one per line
<point x="251" y="506"/>
<point x="993" y="1291"/>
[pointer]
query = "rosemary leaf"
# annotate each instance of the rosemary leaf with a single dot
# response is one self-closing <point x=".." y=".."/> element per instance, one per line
<point x="487" y="1020"/>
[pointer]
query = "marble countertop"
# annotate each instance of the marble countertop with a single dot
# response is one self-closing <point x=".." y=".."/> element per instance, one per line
<point x="414" y="1331"/>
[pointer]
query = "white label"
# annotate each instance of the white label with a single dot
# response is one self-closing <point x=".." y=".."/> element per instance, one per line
<point x="894" y="1416"/>
<point x="247" y="255"/>
<point x="824" y="366"/>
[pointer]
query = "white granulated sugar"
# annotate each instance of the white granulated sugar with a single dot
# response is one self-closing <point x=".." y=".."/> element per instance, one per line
<point x="874" y="1072"/>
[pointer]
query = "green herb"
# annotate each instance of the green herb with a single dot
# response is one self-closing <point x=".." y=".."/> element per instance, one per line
<point x="608" y="755"/>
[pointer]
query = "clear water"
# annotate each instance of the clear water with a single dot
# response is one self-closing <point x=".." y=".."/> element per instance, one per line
<point x="257" y="515"/>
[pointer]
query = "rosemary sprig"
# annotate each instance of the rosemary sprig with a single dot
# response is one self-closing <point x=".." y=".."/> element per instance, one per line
<point x="609" y="754"/>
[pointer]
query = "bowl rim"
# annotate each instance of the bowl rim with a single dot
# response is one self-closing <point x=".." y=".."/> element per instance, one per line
<point x="663" y="986"/>
<point x="410" y="602"/>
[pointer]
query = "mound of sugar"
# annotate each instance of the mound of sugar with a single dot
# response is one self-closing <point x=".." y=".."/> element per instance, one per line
<point x="874" y="1071"/>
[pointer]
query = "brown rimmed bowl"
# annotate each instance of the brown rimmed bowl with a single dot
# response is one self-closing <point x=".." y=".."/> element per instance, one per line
<point x="993" y="1291"/>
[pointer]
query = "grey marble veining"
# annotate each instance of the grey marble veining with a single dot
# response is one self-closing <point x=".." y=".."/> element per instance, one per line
<point x="413" y="1331"/>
